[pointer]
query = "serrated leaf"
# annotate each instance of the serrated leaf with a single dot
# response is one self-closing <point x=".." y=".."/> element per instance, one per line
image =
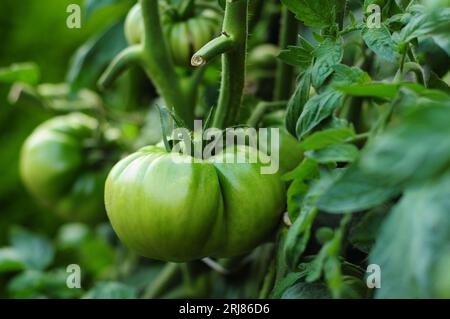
<point x="317" y="109"/>
<point x="344" y="74"/>
<point x="328" y="54"/>
<point x="413" y="238"/>
<point x="426" y="23"/>
<point x="380" y="41"/>
<point x="297" y="102"/>
<point x="296" y="56"/>
<point x="316" y="14"/>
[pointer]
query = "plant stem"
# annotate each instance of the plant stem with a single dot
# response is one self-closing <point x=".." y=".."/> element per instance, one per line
<point x="158" y="63"/>
<point x="261" y="109"/>
<point x="285" y="73"/>
<point x="233" y="64"/>
<point x="157" y="287"/>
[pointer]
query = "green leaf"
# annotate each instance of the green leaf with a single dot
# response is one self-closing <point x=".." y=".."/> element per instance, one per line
<point x="414" y="149"/>
<point x="307" y="170"/>
<point x="28" y="73"/>
<point x="305" y="290"/>
<point x="298" y="236"/>
<point x="344" y="74"/>
<point x="328" y="54"/>
<point x="386" y="91"/>
<point x="364" y="233"/>
<point x="425" y="23"/>
<point x="35" y="251"/>
<point x="92" y="58"/>
<point x="111" y="290"/>
<point x="323" y="139"/>
<point x="316" y="14"/>
<point x="412" y="240"/>
<point x="296" y="56"/>
<point x="380" y="41"/>
<point x="317" y="109"/>
<point x="290" y="279"/>
<point x="356" y="190"/>
<point x="10" y="260"/>
<point x="297" y="102"/>
<point x="26" y="284"/>
<point x="92" y="6"/>
<point x="345" y="153"/>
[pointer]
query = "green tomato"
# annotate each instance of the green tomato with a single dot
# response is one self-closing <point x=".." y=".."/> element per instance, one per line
<point x="184" y="36"/>
<point x="178" y="212"/>
<point x="54" y="167"/>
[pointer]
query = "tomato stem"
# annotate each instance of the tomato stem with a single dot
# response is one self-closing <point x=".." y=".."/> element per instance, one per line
<point x="233" y="64"/>
<point x="159" y="65"/>
<point x="285" y="73"/>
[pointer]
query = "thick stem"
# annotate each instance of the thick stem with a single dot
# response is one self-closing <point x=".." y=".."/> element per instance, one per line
<point x="284" y="82"/>
<point x="158" y="63"/>
<point x="235" y="25"/>
<point x="212" y="49"/>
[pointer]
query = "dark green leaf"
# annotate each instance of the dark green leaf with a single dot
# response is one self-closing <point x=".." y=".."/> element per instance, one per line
<point x="412" y="240"/>
<point x="317" y="14"/>
<point x="305" y="290"/>
<point x="111" y="290"/>
<point x="327" y="55"/>
<point x="91" y="59"/>
<point x="297" y="102"/>
<point x="380" y="41"/>
<point x="317" y="109"/>
<point x="378" y="89"/>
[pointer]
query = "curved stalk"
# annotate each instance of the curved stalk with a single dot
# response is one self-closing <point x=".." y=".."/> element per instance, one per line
<point x="285" y="73"/>
<point x="159" y="65"/>
<point x="125" y="59"/>
<point x="233" y="64"/>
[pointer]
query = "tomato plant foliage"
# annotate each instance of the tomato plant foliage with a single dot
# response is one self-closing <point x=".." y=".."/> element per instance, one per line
<point x="360" y="93"/>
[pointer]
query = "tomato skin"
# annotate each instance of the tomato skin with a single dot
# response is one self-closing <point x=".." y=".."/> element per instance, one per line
<point x="185" y="211"/>
<point x="184" y="36"/>
<point x="53" y="168"/>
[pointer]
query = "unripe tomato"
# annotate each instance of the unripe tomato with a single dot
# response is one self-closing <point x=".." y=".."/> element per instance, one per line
<point x="178" y="212"/>
<point x="184" y="36"/>
<point x="56" y="169"/>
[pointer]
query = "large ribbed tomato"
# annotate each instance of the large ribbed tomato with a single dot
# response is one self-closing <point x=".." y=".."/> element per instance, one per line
<point x="176" y="211"/>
